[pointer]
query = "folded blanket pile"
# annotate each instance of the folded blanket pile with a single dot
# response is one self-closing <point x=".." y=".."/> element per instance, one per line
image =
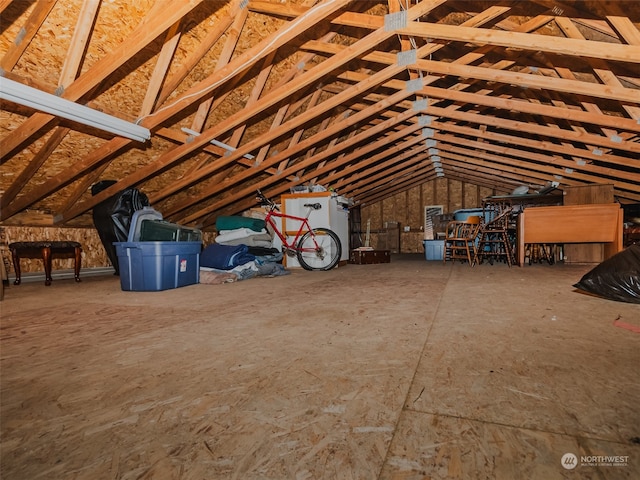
<point x="244" y="236"/>
<point x="234" y="222"/>
<point x="261" y="266"/>
<point x="225" y="257"/>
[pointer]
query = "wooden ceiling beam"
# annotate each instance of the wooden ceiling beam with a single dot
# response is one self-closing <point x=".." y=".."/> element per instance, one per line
<point x="326" y="134"/>
<point x="519" y="127"/>
<point x="194" y="57"/>
<point x="619" y="192"/>
<point x="550" y="169"/>
<point x="299" y="147"/>
<point x="70" y="70"/>
<point x="239" y="65"/>
<point x="153" y="25"/>
<point x="514" y="176"/>
<point x="522" y="106"/>
<point x="540" y="158"/>
<point x="373" y="168"/>
<point x="522" y="172"/>
<point x="343" y="96"/>
<point x="521" y="79"/>
<point x="355" y="175"/>
<point x="541" y="145"/>
<point x="621" y="94"/>
<point x="373" y="177"/>
<point x="27" y="32"/>
<point x="288" y="108"/>
<point x="491" y="180"/>
<point x="317" y="72"/>
<point x="625" y="27"/>
<point x="95" y="158"/>
<point x="347" y="179"/>
<point x="536" y="130"/>
<point x="336" y="165"/>
<point x="346" y="19"/>
<point x="230" y="44"/>
<point x="193" y="95"/>
<point x="32" y="167"/>
<point x="279" y="117"/>
<point x="163" y="63"/>
<point x="395" y="187"/>
<point x="77" y="48"/>
<point x="525" y="41"/>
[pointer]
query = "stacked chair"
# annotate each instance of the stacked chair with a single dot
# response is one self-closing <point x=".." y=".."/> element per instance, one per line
<point x="495" y="242"/>
<point x="460" y="240"/>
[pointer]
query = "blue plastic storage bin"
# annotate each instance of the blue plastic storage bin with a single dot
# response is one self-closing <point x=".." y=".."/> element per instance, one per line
<point x="433" y="249"/>
<point x="155" y="266"/>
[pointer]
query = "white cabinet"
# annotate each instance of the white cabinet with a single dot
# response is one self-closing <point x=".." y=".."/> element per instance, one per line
<point x="332" y="214"/>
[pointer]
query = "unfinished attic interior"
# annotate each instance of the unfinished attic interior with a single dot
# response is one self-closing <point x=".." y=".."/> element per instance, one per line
<point x="415" y="358"/>
<point x="429" y="102"/>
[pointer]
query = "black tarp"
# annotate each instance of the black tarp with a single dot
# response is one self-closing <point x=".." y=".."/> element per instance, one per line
<point x="112" y="217"/>
<point x="617" y="278"/>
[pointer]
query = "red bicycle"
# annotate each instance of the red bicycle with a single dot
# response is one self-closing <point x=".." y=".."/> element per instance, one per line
<point x="316" y="248"/>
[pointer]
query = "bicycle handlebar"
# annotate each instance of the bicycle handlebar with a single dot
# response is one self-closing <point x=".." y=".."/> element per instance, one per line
<point x="271" y="204"/>
<point x="265" y="201"/>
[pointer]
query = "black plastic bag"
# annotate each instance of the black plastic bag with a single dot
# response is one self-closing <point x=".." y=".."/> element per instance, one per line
<point x="617" y="278"/>
<point x="112" y="217"/>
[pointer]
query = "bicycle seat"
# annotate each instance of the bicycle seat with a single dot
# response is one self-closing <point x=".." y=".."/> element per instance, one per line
<point x="315" y="206"/>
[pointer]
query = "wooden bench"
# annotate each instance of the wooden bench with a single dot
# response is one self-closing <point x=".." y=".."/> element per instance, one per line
<point x="45" y="250"/>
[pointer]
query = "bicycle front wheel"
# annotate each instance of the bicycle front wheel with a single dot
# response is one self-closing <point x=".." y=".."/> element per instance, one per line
<point x="319" y="249"/>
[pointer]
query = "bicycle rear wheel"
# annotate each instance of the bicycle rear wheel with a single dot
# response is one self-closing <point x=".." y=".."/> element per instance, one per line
<point x="319" y="249"/>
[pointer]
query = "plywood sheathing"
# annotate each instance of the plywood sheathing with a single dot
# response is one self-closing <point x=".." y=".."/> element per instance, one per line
<point x="93" y="252"/>
<point x="122" y="94"/>
<point x="125" y="96"/>
<point x="427" y="375"/>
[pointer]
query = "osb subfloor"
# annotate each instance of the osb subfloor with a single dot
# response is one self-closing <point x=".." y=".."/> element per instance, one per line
<point x="408" y="370"/>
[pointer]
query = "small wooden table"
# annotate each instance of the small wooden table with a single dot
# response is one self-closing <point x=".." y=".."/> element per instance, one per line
<point x="45" y="250"/>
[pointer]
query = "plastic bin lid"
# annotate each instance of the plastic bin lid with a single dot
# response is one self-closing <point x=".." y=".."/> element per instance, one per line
<point x="146" y="213"/>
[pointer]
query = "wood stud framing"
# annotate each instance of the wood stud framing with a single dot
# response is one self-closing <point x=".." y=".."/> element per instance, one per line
<point x="519" y="93"/>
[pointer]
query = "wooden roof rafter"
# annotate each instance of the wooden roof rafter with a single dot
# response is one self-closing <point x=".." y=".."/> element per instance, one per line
<point x="541" y="85"/>
<point x="340" y="98"/>
<point x="278" y="94"/>
<point x="187" y="99"/>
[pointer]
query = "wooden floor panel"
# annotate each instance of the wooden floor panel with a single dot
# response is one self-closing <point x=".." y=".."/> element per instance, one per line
<point x="410" y="369"/>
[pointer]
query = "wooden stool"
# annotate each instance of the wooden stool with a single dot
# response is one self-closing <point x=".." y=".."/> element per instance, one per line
<point x="45" y="250"/>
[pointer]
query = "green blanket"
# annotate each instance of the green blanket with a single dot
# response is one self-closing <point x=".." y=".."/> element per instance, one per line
<point x="234" y="222"/>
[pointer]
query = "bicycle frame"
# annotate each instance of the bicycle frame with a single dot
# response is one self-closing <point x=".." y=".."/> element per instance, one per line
<point x="316" y="248"/>
<point x="304" y="227"/>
